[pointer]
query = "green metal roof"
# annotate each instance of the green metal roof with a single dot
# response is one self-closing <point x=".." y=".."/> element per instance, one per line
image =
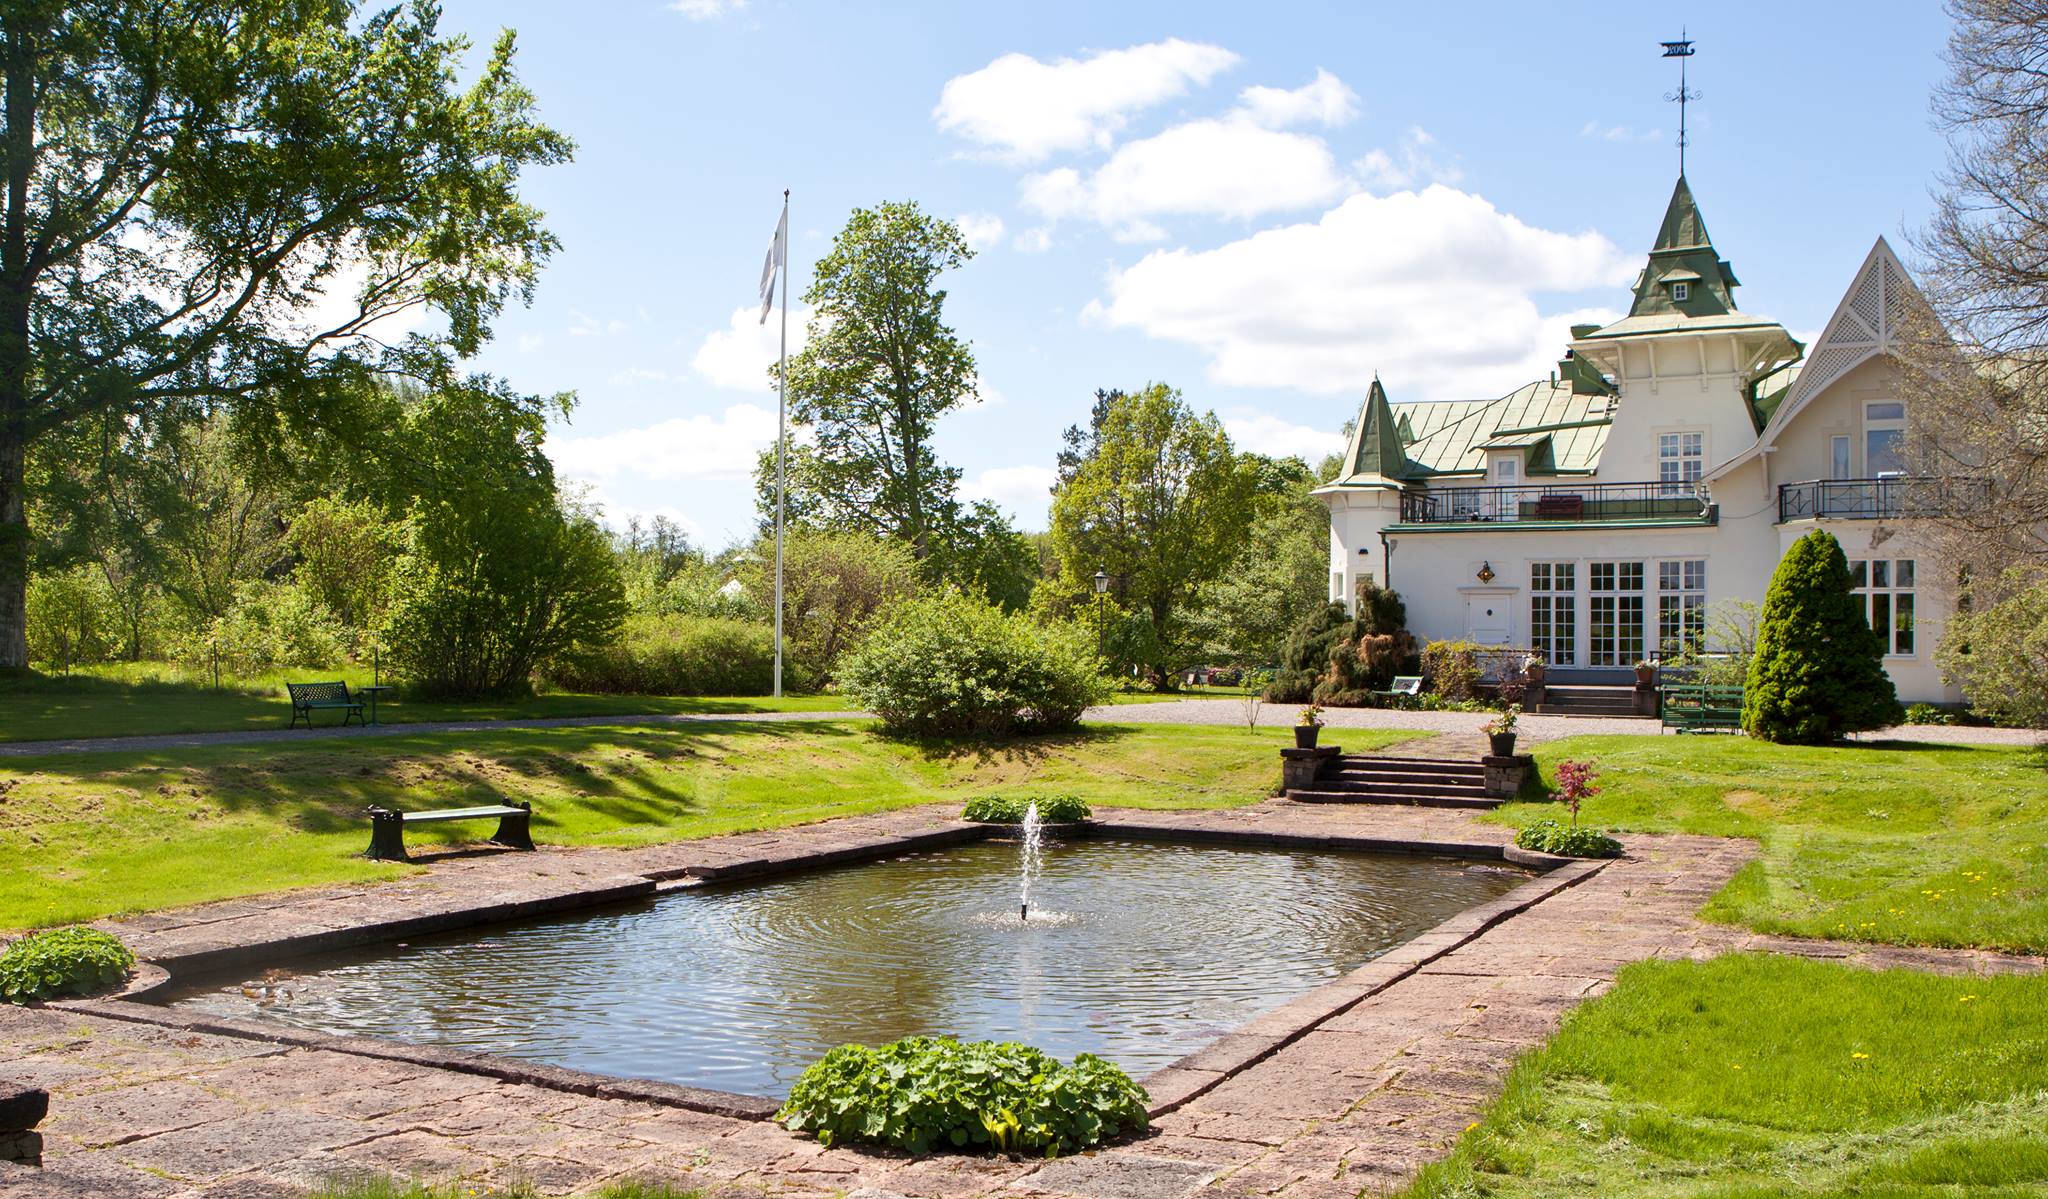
<point x="1684" y="253"/>
<point x="1563" y="433"/>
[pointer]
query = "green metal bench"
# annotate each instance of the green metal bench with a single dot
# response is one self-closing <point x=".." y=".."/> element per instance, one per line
<point x="387" y="827"/>
<point x="1405" y="687"/>
<point x="310" y="697"/>
<point x="1701" y="708"/>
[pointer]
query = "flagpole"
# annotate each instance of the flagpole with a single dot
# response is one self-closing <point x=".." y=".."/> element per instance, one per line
<point x="781" y="440"/>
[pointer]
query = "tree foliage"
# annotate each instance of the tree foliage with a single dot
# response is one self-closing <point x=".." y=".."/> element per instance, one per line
<point x="496" y="577"/>
<point x="834" y="584"/>
<point x="213" y="202"/>
<point x="1278" y="578"/>
<point x="1998" y="654"/>
<point x="1158" y="499"/>
<point x="1818" y="673"/>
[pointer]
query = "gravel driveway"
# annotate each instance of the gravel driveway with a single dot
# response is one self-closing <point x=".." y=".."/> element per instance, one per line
<point x="1532" y="728"/>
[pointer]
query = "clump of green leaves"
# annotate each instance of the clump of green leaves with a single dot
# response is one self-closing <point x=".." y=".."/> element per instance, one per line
<point x="63" y="961"/>
<point x="1567" y="841"/>
<point x="1009" y="809"/>
<point x="925" y="1093"/>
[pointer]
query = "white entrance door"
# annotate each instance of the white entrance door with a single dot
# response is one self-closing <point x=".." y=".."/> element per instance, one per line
<point x="1487" y="619"/>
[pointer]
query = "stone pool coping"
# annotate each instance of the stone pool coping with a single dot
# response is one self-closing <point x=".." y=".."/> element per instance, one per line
<point x="1170" y="1087"/>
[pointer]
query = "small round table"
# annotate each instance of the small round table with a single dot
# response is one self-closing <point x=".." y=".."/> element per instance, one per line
<point x="373" y="692"/>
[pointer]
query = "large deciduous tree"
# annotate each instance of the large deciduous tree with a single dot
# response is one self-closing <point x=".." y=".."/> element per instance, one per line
<point x="213" y="201"/>
<point x="879" y="368"/>
<point x="1153" y="495"/>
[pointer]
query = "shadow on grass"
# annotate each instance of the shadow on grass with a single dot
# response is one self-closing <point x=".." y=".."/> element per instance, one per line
<point x="1029" y="749"/>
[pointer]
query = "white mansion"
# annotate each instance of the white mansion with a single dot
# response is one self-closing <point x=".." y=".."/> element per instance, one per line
<point x="1669" y="462"/>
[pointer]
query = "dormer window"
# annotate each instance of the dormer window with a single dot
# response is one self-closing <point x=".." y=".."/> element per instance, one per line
<point x="1681" y="292"/>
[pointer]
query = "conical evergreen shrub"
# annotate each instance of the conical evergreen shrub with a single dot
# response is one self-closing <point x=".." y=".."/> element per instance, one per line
<point x="1818" y="673"/>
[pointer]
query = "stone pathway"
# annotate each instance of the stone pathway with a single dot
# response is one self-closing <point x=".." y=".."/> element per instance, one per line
<point x="1353" y="1086"/>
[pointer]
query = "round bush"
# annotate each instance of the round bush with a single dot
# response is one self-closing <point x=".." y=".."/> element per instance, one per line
<point x="64" y="961"/>
<point x="1557" y="837"/>
<point x="925" y="1093"/>
<point x="1009" y="809"/>
<point x="949" y="665"/>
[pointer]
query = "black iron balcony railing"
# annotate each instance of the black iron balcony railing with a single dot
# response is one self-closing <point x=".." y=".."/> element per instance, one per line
<point x="1890" y="497"/>
<point x="1562" y="503"/>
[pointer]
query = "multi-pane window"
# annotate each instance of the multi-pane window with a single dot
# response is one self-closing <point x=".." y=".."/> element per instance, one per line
<point x="1554" y="612"/>
<point x="1681" y="461"/>
<point x="1614" y="624"/>
<point x="1681" y="605"/>
<point x="1884" y="433"/>
<point x="1885" y="587"/>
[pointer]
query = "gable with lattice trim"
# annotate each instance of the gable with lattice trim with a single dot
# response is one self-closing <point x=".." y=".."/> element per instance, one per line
<point x="1862" y="328"/>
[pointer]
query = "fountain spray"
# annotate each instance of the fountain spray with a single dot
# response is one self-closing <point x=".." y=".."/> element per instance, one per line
<point x="1033" y="846"/>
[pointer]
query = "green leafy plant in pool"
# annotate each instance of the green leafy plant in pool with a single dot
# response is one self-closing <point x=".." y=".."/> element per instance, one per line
<point x="1009" y="809"/>
<point x="1567" y="841"/>
<point x="63" y="961"/>
<point x="926" y="1093"/>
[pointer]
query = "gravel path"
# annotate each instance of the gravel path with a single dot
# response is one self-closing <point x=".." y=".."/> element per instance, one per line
<point x="1533" y="728"/>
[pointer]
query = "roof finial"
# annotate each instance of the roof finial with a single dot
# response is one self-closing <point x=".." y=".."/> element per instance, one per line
<point x="1680" y="50"/>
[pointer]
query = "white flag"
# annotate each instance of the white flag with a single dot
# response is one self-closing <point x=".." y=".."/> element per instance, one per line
<point x="777" y="255"/>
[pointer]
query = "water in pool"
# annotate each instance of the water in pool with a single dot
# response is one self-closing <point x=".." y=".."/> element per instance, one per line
<point x="1137" y="951"/>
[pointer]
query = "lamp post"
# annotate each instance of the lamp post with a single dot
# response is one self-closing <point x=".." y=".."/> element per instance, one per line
<point x="1101" y="589"/>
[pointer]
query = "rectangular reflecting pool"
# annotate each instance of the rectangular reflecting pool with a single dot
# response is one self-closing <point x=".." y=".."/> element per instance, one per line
<point x="1135" y="950"/>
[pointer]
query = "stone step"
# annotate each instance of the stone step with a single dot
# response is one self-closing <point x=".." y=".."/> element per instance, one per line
<point x="1410" y="765"/>
<point x="1320" y="795"/>
<point x="1416" y="778"/>
<point x="1403" y="787"/>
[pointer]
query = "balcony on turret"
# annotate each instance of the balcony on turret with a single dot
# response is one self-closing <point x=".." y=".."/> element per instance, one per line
<point x="1549" y="505"/>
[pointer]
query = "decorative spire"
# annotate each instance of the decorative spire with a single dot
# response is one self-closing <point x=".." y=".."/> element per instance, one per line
<point x="1377" y="447"/>
<point x="1681" y="50"/>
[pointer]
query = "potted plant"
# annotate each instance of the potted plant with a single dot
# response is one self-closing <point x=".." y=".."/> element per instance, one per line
<point x="1307" y="726"/>
<point x="1646" y="673"/>
<point x="1500" y="731"/>
<point x="1532" y="669"/>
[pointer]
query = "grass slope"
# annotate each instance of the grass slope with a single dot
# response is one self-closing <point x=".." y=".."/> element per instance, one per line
<point x="1894" y="843"/>
<point x="90" y="835"/>
<point x="1758" y="1077"/>
<point x="155" y="697"/>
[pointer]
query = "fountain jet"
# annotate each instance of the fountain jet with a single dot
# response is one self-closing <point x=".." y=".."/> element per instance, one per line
<point x="1033" y="849"/>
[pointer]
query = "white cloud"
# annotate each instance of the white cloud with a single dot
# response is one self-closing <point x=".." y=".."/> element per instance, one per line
<point x="981" y="229"/>
<point x="1264" y="433"/>
<point x="706" y="10"/>
<point x="1034" y="241"/>
<point x="739" y="355"/>
<point x="685" y="447"/>
<point x="1412" y="164"/>
<point x="616" y="514"/>
<point x="1023" y="109"/>
<point x="1434" y="289"/>
<point x="1619" y="133"/>
<point x="1024" y="492"/>
<point x="1325" y="100"/>
<point x="529" y="342"/>
<point x="582" y="324"/>
<point x="1217" y="167"/>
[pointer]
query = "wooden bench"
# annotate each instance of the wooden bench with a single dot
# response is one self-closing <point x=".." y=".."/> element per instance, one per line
<point x="387" y="827"/>
<point x="307" y="697"/>
<point x="1701" y="708"/>
<point x="1560" y="507"/>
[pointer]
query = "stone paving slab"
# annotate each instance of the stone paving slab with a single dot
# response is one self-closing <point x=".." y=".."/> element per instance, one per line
<point x="1352" y="1086"/>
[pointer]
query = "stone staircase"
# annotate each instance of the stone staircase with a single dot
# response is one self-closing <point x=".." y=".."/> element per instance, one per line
<point x="1589" y="700"/>
<point x="1383" y="779"/>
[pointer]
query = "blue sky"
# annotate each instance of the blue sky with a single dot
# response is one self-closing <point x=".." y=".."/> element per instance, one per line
<point x="1261" y="205"/>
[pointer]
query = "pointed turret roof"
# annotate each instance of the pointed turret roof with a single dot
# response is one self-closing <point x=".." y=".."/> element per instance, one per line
<point x="1685" y="254"/>
<point x="1376" y="445"/>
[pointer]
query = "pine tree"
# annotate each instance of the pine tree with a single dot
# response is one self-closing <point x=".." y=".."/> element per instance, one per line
<point x="1818" y="672"/>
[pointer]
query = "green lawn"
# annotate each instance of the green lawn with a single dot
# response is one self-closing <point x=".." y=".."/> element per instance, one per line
<point x="1759" y="1077"/>
<point x="1897" y="843"/>
<point x="89" y="835"/>
<point x="156" y="697"/>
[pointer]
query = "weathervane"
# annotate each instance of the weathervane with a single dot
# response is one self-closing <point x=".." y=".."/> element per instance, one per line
<point x="1680" y="50"/>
